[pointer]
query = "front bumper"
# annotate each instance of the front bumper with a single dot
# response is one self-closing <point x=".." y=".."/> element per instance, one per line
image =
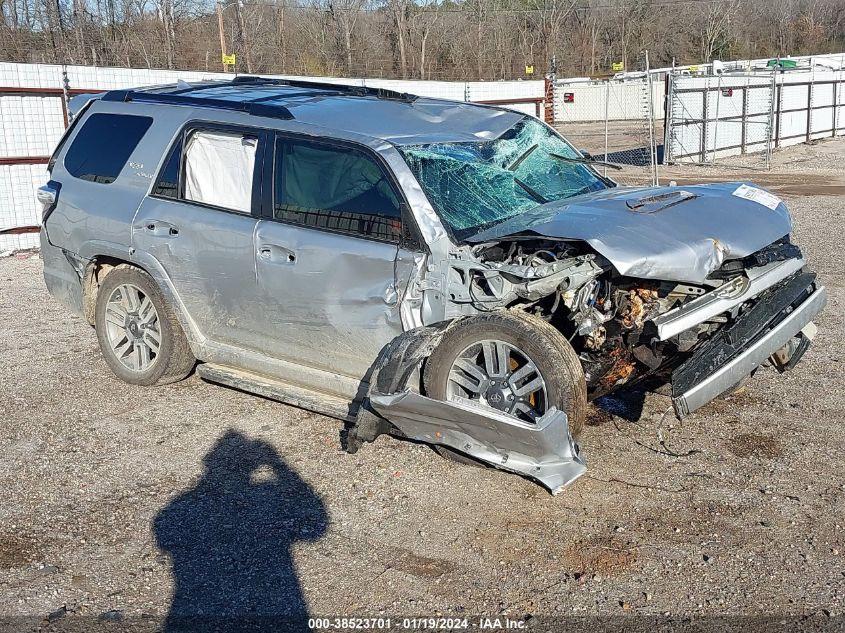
<point x="736" y="351"/>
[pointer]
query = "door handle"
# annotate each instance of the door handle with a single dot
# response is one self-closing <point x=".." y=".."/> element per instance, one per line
<point x="276" y="254"/>
<point x="161" y="229"/>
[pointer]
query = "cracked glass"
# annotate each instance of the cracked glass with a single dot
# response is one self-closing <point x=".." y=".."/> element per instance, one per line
<point x="475" y="185"/>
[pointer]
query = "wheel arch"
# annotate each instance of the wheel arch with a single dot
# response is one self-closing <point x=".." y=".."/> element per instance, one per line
<point x="100" y="265"/>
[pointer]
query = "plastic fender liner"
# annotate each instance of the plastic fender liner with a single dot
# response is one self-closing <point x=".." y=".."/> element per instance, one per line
<point x="544" y="451"/>
<point x="403" y="355"/>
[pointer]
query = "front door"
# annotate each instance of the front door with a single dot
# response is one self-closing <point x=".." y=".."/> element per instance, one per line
<point x="199" y="224"/>
<point x="326" y="256"/>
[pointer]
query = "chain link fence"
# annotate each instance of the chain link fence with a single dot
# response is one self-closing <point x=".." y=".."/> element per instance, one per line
<point x="616" y="120"/>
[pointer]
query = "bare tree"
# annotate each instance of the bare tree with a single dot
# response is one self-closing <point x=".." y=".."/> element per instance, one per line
<point x="443" y="39"/>
<point x="715" y="27"/>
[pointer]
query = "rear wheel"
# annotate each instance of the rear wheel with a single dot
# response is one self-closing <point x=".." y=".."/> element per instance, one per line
<point x="140" y="338"/>
<point x="512" y="363"/>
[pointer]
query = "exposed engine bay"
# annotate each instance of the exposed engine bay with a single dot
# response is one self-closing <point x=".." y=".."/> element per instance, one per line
<point x="700" y="339"/>
<point x="606" y="317"/>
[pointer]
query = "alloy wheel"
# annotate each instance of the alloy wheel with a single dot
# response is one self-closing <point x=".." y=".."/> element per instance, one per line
<point x="132" y="327"/>
<point x="497" y="375"/>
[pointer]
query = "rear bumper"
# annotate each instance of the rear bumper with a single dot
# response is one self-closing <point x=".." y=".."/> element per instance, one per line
<point x="62" y="279"/>
<point x="749" y="357"/>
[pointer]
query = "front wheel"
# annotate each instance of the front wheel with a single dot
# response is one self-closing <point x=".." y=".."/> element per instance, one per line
<point x="513" y="363"/>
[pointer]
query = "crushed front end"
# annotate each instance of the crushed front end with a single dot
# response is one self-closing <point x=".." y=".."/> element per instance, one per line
<point x="767" y="311"/>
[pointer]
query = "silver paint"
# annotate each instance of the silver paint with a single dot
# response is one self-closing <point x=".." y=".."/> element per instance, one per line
<point x="751" y="357"/>
<point x="683" y="242"/>
<point x="544" y="451"/>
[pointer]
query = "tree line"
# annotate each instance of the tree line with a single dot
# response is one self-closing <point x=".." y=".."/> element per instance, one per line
<point x="415" y="39"/>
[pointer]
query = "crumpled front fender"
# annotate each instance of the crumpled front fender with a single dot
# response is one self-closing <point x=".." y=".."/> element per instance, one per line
<point x="544" y="451"/>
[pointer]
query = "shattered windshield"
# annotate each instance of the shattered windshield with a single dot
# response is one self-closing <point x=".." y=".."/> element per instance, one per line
<point x="474" y="185"/>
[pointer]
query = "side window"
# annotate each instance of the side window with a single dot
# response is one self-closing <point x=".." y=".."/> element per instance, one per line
<point x="167" y="185"/>
<point x="334" y="188"/>
<point x="219" y="168"/>
<point x="103" y="145"/>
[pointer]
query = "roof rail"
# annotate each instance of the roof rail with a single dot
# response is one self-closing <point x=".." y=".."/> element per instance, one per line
<point x="361" y="91"/>
<point x="258" y="109"/>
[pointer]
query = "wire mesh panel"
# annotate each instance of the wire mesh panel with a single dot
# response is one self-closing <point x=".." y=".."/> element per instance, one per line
<point x="808" y="106"/>
<point x="613" y="121"/>
<point x="20" y="208"/>
<point x="724" y="118"/>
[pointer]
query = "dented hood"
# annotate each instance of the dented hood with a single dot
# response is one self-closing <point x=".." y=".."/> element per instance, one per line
<point x="668" y="233"/>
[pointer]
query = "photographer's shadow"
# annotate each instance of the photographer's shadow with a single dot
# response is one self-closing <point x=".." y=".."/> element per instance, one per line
<point x="230" y="539"/>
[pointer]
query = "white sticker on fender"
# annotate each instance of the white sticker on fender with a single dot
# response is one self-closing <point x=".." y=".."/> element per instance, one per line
<point x="757" y="195"/>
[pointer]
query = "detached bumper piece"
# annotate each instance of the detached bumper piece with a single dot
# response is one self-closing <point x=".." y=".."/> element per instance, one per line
<point x="544" y="451"/>
<point x="777" y="316"/>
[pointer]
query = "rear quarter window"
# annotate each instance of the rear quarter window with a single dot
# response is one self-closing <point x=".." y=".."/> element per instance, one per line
<point x="104" y="144"/>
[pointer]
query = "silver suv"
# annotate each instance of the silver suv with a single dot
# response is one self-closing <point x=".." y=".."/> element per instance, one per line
<point x="449" y="272"/>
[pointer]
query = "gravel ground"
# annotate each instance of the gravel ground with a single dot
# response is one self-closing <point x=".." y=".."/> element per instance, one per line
<point x="121" y="501"/>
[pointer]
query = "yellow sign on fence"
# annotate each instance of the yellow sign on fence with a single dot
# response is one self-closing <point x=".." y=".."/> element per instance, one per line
<point x="229" y="60"/>
<point x="529" y="70"/>
<point x="617" y="66"/>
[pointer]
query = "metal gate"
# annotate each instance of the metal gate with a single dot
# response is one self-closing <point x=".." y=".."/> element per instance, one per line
<point x="725" y="118"/>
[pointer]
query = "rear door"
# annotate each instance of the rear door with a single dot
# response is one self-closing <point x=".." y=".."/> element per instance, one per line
<point x="199" y="222"/>
<point x="326" y="255"/>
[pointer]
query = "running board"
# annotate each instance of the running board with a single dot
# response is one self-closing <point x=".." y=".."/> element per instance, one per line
<point x="279" y="391"/>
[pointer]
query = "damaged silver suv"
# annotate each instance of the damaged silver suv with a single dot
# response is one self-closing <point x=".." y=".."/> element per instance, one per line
<point x="448" y="272"/>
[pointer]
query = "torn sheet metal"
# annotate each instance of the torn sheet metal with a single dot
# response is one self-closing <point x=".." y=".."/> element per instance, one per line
<point x="544" y="451"/>
<point x="682" y="242"/>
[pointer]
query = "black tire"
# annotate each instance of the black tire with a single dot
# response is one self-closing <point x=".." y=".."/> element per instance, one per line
<point x="543" y="343"/>
<point x="174" y="360"/>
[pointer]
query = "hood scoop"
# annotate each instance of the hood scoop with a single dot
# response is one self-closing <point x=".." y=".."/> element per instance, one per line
<point x="653" y="204"/>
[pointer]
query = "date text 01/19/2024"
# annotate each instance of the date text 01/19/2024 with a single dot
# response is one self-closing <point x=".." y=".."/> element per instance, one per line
<point x="480" y="624"/>
<point x="416" y="624"/>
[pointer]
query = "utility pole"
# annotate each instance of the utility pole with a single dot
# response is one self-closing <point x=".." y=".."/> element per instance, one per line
<point x="652" y="150"/>
<point x="222" y="36"/>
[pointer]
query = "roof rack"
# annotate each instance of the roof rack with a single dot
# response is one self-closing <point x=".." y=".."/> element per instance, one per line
<point x="360" y="91"/>
<point x="256" y="108"/>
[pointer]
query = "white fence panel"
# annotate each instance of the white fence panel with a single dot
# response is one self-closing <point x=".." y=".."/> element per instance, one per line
<point x="621" y="100"/>
<point x="504" y="90"/>
<point x="801" y="105"/>
<point x="717" y="117"/>
<point x="31" y="125"/>
<point x="18" y="206"/>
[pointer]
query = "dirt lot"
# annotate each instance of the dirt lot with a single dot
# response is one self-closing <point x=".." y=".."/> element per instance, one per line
<point x="120" y="502"/>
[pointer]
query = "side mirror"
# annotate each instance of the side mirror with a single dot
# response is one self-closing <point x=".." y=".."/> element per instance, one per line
<point x="586" y="154"/>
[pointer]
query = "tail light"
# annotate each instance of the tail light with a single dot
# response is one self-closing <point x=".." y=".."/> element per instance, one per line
<point x="48" y="197"/>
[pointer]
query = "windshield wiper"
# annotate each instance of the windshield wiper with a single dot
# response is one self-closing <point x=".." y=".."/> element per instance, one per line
<point x="586" y="161"/>
<point x="525" y="155"/>
<point x="538" y="197"/>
